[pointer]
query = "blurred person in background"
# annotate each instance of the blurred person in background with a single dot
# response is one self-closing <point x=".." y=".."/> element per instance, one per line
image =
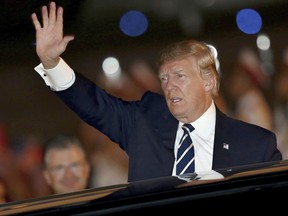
<point x="66" y="168"/>
<point x="245" y="89"/>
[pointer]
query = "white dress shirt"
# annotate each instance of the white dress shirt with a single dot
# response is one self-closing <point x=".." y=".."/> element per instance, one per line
<point x="203" y="140"/>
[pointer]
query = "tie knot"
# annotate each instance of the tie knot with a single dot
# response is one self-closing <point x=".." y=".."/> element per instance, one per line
<point x="187" y="127"/>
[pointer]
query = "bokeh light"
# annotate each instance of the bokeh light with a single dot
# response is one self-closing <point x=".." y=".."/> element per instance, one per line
<point x="249" y="21"/>
<point x="111" y="67"/>
<point x="263" y="42"/>
<point x="133" y="23"/>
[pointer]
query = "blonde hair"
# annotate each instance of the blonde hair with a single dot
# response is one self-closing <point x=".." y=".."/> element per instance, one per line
<point x="201" y="51"/>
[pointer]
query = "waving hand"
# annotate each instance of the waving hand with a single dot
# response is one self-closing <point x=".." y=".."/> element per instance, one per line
<point x="50" y="41"/>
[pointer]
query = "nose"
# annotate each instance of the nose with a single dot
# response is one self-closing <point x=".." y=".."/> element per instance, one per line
<point x="68" y="171"/>
<point x="169" y="85"/>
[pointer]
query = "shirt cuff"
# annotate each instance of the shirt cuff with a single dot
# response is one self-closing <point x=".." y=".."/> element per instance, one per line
<point x="58" y="78"/>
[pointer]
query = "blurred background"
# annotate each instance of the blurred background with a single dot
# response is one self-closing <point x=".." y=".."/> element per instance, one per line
<point x="250" y="37"/>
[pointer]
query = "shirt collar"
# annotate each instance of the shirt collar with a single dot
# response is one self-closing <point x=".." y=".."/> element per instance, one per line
<point x="206" y="122"/>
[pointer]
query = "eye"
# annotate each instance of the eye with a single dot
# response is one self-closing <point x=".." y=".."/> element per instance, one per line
<point x="178" y="75"/>
<point x="75" y="165"/>
<point x="58" y="170"/>
<point x="163" y="78"/>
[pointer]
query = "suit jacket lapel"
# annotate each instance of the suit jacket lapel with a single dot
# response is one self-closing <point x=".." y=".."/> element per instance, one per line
<point x="222" y="147"/>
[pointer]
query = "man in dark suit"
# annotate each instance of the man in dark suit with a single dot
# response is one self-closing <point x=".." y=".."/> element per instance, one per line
<point x="149" y="130"/>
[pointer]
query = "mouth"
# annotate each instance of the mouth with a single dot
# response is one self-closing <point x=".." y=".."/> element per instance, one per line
<point x="174" y="100"/>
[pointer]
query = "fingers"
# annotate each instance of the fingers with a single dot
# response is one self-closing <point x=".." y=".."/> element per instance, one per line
<point x="52" y="13"/>
<point x="49" y="18"/>
<point x="35" y="21"/>
<point x="45" y="19"/>
<point x="59" y="16"/>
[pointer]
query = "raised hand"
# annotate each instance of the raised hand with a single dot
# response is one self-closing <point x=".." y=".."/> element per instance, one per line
<point x="50" y="42"/>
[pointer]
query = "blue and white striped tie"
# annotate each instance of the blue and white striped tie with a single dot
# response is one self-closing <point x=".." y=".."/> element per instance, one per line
<point x="185" y="155"/>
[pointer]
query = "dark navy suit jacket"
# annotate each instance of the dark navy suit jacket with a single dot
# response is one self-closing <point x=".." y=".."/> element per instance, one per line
<point x="146" y="131"/>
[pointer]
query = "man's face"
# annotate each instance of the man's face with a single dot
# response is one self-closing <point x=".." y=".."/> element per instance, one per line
<point x="186" y="93"/>
<point x="67" y="170"/>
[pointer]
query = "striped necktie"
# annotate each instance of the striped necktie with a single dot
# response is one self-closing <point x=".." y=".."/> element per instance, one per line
<point x="185" y="155"/>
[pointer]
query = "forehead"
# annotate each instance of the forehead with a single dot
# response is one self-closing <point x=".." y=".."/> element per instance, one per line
<point x="65" y="155"/>
<point x="178" y="64"/>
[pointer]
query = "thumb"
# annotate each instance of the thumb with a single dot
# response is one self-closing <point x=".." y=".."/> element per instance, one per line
<point x="66" y="40"/>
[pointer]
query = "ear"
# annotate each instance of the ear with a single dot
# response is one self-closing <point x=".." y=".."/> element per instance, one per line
<point x="209" y="84"/>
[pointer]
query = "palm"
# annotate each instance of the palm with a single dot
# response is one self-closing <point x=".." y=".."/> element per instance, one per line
<point x="48" y="42"/>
